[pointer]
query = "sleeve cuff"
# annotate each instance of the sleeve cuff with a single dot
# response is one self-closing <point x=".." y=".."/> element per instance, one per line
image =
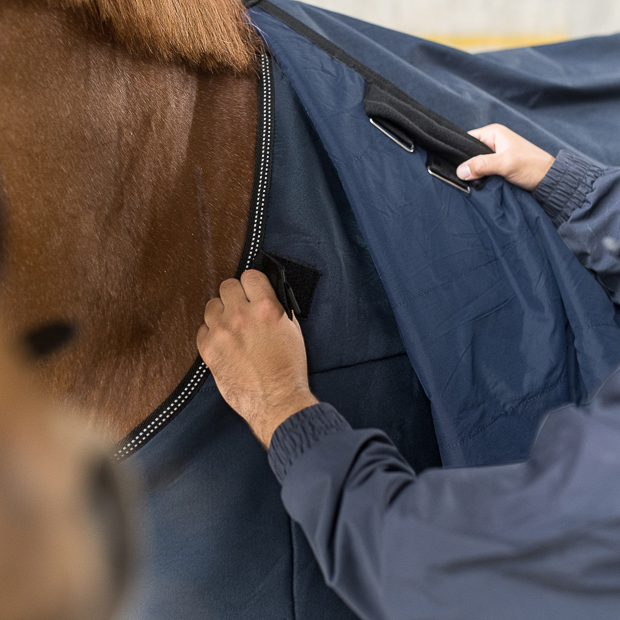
<point x="566" y="186"/>
<point x="299" y="433"/>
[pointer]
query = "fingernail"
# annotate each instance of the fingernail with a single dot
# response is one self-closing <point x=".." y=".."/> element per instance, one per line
<point x="464" y="173"/>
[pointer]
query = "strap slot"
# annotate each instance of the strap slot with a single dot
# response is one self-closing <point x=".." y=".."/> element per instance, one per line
<point x="464" y="188"/>
<point x="382" y="126"/>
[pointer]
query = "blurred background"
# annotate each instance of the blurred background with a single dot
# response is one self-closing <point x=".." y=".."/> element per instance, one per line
<point x="479" y="25"/>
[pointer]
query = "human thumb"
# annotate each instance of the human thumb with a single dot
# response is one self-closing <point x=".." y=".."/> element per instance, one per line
<point x="478" y="167"/>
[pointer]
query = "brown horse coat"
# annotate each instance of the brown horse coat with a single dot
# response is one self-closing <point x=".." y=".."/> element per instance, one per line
<point x="128" y="183"/>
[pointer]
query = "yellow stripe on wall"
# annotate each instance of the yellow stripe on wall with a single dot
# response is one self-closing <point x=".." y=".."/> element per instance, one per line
<point x="474" y="43"/>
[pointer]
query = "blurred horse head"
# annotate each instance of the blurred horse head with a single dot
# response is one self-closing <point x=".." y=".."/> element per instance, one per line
<point x="127" y="146"/>
<point x="65" y="548"/>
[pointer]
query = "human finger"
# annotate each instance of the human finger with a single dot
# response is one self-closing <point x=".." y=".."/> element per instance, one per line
<point x="256" y="286"/>
<point x="485" y="165"/>
<point x="213" y="311"/>
<point x="232" y="293"/>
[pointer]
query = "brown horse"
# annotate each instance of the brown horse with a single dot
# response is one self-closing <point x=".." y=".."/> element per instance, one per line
<point x="127" y="145"/>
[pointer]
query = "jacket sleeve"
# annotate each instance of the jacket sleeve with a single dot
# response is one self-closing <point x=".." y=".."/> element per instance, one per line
<point x="583" y="202"/>
<point x="525" y="540"/>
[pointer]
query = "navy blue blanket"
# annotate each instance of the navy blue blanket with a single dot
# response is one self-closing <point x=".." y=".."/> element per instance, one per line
<point x="501" y="323"/>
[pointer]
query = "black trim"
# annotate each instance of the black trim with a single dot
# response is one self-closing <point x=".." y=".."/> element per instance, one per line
<point x="164" y="414"/>
<point x="198" y="373"/>
<point x="434" y="132"/>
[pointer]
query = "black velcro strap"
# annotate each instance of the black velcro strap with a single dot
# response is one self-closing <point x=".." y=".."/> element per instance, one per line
<point x="293" y="281"/>
<point x="303" y="279"/>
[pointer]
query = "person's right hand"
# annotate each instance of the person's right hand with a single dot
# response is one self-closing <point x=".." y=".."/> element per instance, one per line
<point x="517" y="160"/>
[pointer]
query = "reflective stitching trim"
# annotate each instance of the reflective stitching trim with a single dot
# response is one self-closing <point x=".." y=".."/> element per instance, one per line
<point x="190" y="385"/>
<point x="169" y="412"/>
<point x="265" y="163"/>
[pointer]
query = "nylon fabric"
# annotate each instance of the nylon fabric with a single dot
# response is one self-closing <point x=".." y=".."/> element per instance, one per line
<point x="499" y="319"/>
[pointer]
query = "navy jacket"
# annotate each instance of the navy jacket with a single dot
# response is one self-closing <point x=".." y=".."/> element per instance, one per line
<point x="539" y="539"/>
<point x="582" y="200"/>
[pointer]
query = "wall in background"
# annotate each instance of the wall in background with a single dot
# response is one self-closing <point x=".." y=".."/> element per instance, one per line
<point x="487" y="24"/>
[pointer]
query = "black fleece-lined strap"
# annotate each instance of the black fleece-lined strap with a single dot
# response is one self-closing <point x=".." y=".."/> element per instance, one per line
<point x="431" y="132"/>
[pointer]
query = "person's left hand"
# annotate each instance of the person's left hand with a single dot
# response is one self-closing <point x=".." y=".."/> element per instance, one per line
<point x="256" y="354"/>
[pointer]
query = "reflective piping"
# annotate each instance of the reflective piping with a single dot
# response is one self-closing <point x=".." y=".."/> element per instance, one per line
<point x="265" y="163"/>
<point x="154" y="425"/>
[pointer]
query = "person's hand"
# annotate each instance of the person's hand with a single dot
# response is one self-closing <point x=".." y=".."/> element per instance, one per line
<point x="517" y="160"/>
<point x="256" y="354"/>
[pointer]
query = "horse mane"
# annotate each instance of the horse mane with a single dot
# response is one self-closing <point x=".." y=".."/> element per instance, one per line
<point x="212" y="34"/>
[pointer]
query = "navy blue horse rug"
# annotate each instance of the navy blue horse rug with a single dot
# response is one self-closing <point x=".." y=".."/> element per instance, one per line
<point x="450" y="315"/>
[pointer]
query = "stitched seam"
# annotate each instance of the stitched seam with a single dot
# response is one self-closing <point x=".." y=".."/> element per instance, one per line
<point x="264" y="165"/>
<point x="130" y="445"/>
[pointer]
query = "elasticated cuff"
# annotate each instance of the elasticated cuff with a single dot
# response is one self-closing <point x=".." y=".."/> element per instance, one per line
<point x="299" y="433"/>
<point x="566" y="186"/>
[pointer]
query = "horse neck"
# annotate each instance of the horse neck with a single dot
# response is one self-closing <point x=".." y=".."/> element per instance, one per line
<point x="128" y="185"/>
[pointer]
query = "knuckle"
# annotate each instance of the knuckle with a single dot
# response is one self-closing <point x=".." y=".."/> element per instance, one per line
<point x="210" y="306"/>
<point x="213" y="311"/>
<point x="201" y="337"/>
<point x="222" y="338"/>
<point x="252" y="276"/>
<point x="237" y="320"/>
